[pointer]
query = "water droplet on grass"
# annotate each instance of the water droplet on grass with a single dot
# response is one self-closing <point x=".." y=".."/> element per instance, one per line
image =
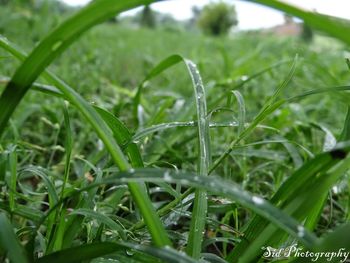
<point x="258" y="200"/>
<point x="301" y="231"/>
<point x="167" y="177"/>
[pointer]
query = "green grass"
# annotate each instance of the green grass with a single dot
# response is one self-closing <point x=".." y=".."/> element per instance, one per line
<point x="113" y="154"/>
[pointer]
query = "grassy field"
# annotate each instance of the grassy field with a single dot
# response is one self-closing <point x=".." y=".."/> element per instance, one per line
<point x="119" y="170"/>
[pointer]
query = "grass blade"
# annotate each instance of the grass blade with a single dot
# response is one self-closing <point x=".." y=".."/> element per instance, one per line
<point x="9" y="242"/>
<point x="199" y="212"/>
<point x="94" y="250"/>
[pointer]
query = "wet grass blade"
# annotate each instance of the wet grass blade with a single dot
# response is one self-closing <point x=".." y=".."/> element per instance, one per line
<point x="95" y="250"/>
<point x="199" y="212"/>
<point x="214" y="185"/>
<point x="9" y="242"/>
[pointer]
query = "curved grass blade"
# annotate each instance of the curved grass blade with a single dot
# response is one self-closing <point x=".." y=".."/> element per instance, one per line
<point x="9" y="242"/>
<point x="141" y="198"/>
<point x="200" y="202"/>
<point x="214" y="185"/>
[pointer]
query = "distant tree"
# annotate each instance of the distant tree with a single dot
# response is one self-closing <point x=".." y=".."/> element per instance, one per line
<point x="148" y="17"/>
<point x="217" y="18"/>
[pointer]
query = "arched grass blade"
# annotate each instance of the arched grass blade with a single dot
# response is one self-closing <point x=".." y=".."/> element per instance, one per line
<point x="217" y="186"/>
<point x="199" y="212"/>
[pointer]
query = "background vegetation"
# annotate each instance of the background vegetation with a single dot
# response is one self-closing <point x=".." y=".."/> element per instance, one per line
<point x="277" y="113"/>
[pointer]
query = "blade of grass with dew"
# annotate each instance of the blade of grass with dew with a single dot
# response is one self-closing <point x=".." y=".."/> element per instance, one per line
<point x="200" y="203"/>
<point x="94" y="250"/>
<point x="217" y="186"/>
<point x="164" y="126"/>
<point x="141" y="198"/>
<point x="333" y="26"/>
<point x="9" y="242"/>
<point x="270" y="106"/>
<point x="200" y="206"/>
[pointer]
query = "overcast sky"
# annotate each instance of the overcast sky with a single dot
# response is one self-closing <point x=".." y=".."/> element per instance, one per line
<point x="250" y="16"/>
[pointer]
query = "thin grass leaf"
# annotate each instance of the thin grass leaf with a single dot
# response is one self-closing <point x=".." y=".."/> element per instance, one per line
<point x="200" y="206"/>
<point x="9" y="242"/>
<point x="13" y="176"/>
<point x="214" y="185"/>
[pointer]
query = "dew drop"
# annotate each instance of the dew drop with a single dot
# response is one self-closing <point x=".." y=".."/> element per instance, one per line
<point x="258" y="200"/>
<point x="167" y="177"/>
<point x="301" y="231"/>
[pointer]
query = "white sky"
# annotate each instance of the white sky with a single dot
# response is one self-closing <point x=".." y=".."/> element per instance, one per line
<point x="250" y="16"/>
